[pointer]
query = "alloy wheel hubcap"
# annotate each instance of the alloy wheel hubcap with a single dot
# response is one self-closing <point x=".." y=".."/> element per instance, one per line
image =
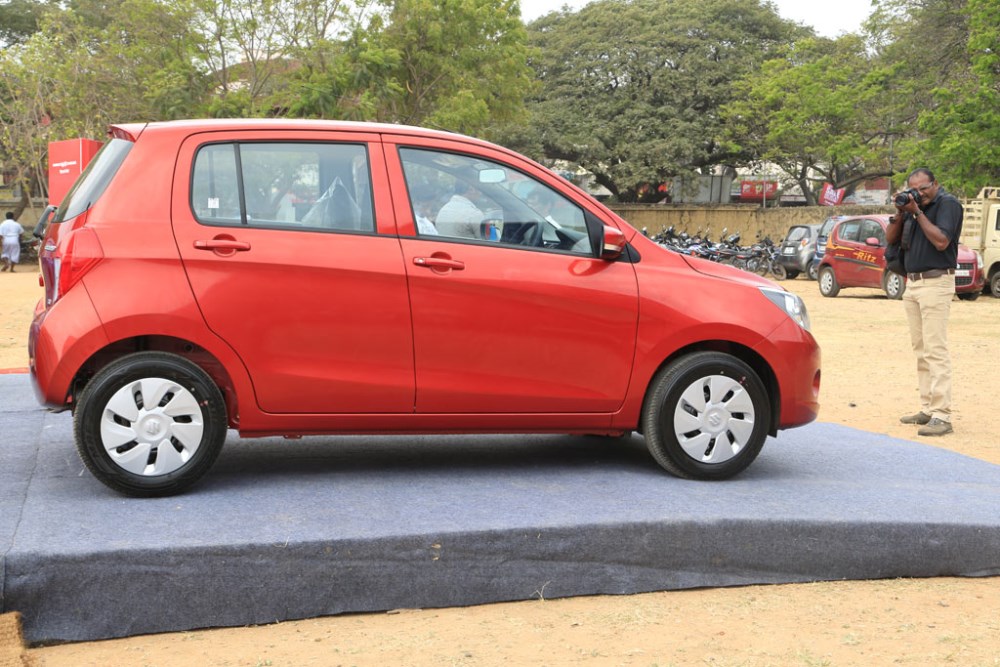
<point x="152" y="426"/>
<point x="714" y="419"/>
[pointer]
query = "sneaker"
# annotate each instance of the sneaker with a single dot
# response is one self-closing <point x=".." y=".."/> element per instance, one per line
<point x="919" y="418"/>
<point x="936" y="427"/>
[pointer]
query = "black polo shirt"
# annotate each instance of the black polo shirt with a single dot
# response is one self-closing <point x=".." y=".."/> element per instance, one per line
<point x="945" y="211"/>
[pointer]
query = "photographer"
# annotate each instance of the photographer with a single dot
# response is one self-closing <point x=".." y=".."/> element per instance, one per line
<point x="927" y="224"/>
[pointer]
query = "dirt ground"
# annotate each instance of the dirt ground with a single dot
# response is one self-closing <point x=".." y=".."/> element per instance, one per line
<point x="869" y="379"/>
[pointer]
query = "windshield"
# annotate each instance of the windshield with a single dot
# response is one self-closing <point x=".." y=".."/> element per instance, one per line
<point x="94" y="179"/>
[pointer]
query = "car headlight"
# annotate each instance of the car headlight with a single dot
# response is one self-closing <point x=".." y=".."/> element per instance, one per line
<point x="792" y="304"/>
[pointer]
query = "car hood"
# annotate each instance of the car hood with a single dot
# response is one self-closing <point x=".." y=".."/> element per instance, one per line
<point x="966" y="253"/>
<point x="730" y="273"/>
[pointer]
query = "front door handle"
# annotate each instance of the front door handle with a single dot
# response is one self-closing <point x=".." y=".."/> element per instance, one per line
<point x="439" y="263"/>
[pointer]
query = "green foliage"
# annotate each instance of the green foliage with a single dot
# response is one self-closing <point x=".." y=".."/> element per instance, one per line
<point x="962" y="132"/>
<point x="19" y="20"/>
<point x="632" y="89"/>
<point x="818" y="112"/>
<point x="462" y="64"/>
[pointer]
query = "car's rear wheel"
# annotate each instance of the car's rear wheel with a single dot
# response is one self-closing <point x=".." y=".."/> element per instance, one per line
<point x="828" y="285"/>
<point x="995" y="285"/>
<point x="893" y="285"/>
<point x="706" y="416"/>
<point x="792" y="274"/>
<point x="150" y="424"/>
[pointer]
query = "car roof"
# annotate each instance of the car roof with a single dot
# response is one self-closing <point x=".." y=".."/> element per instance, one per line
<point x="133" y="130"/>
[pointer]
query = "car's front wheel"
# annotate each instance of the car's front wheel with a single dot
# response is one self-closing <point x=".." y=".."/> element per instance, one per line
<point x="706" y="416"/>
<point x="813" y="270"/>
<point x="893" y="285"/>
<point x="150" y="424"/>
<point x="828" y="285"/>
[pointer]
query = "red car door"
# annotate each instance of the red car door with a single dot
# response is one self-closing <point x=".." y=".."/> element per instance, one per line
<point x="501" y="326"/>
<point x="280" y="244"/>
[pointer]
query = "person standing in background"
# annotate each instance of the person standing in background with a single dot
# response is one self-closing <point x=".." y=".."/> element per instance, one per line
<point x="10" y="231"/>
<point x="928" y="223"/>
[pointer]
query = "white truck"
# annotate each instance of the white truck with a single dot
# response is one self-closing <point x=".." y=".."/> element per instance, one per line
<point x="981" y="231"/>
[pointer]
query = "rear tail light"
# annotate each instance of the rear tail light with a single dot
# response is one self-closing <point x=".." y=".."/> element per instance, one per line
<point x="81" y="251"/>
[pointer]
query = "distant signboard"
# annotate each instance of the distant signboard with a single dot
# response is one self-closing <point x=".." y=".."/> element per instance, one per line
<point x="831" y="196"/>
<point x="67" y="160"/>
<point x="758" y="190"/>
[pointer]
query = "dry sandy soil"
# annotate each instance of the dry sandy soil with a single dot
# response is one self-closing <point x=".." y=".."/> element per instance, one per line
<point x="868" y="381"/>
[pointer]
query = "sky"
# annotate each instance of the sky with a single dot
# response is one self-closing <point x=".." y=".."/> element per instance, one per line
<point x="828" y="19"/>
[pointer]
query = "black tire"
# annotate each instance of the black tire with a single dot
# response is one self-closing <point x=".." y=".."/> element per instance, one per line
<point x="894" y="285"/>
<point x="828" y="285"/>
<point x="812" y="272"/>
<point x="968" y="296"/>
<point x="709" y="403"/>
<point x="995" y="285"/>
<point x="792" y="273"/>
<point x="779" y="271"/>
<point x="161" y="452"/>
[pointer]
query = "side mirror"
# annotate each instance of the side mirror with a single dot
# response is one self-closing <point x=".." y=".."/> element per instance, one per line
<point x="872" y="241"/>
<point x="613" y="243"/>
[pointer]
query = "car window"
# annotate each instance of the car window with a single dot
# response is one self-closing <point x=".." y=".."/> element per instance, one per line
<point x="797" y="233"/>
<point x="314" y="186"/>
<point x="848" y="231"/>
<point x="469" y="198"/>
<point x="871" y="228"/>
<point x="827" y="226"/>
<point x="94" y="180"/>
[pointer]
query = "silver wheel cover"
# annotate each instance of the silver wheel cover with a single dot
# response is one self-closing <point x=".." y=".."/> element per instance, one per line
<point x="894" y="283"/>
<point x="152" y="426"/>
<point x="826" y="280"/>
<point x="714" y="419"/>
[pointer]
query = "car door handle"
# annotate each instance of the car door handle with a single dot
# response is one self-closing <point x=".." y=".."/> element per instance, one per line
<point x="223" y="244"/>
<point x="439" y="263"/>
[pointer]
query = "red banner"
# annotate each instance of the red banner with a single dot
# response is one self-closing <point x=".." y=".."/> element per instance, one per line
<point x="758" y="189"/>
<point x="67" y="159"/>
<point x="831" y="196"/>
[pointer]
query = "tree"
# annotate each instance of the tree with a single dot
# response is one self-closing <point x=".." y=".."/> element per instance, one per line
<point x="87" y="67"/>
<point x="963" y="131"/>
<point x="631" y="90"/>
<point x="19" y="20"/>
<point x="818" y="109"/>
<point x="462" y="64"/>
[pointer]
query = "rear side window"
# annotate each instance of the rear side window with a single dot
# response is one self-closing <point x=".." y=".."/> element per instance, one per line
<point x="315" y="186"/>
<point x="849" y="231"/>
<point x="94" y="179"/>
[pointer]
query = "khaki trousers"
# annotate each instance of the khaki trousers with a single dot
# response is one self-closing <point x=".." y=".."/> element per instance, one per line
<point x="927" y="304"/>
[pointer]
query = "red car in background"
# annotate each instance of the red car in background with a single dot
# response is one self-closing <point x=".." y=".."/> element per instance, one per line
<point x="855" y="257"/>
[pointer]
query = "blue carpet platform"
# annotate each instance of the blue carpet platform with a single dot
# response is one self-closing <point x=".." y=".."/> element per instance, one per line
<point x="294" y="529"/>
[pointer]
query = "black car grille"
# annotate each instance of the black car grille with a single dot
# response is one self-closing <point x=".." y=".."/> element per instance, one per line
<point x="962" y="281"/>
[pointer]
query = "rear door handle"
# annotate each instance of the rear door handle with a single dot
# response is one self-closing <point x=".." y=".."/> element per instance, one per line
<point x="439" y="263"/>
<point x="223" y="244"/>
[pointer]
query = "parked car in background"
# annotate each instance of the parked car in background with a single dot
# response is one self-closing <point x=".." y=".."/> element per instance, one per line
<point x="313" y="277"/>
<point x="821" y="236"/>
<point x="798" y="250"/>
<point x="855" y="257"/>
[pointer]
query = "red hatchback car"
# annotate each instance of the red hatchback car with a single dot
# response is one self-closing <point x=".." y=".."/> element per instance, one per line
<point x="313" y="277"/>
<point x="855" y="257"/>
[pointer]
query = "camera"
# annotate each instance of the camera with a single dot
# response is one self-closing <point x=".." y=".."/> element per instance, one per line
<point x="904" y="197"/>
